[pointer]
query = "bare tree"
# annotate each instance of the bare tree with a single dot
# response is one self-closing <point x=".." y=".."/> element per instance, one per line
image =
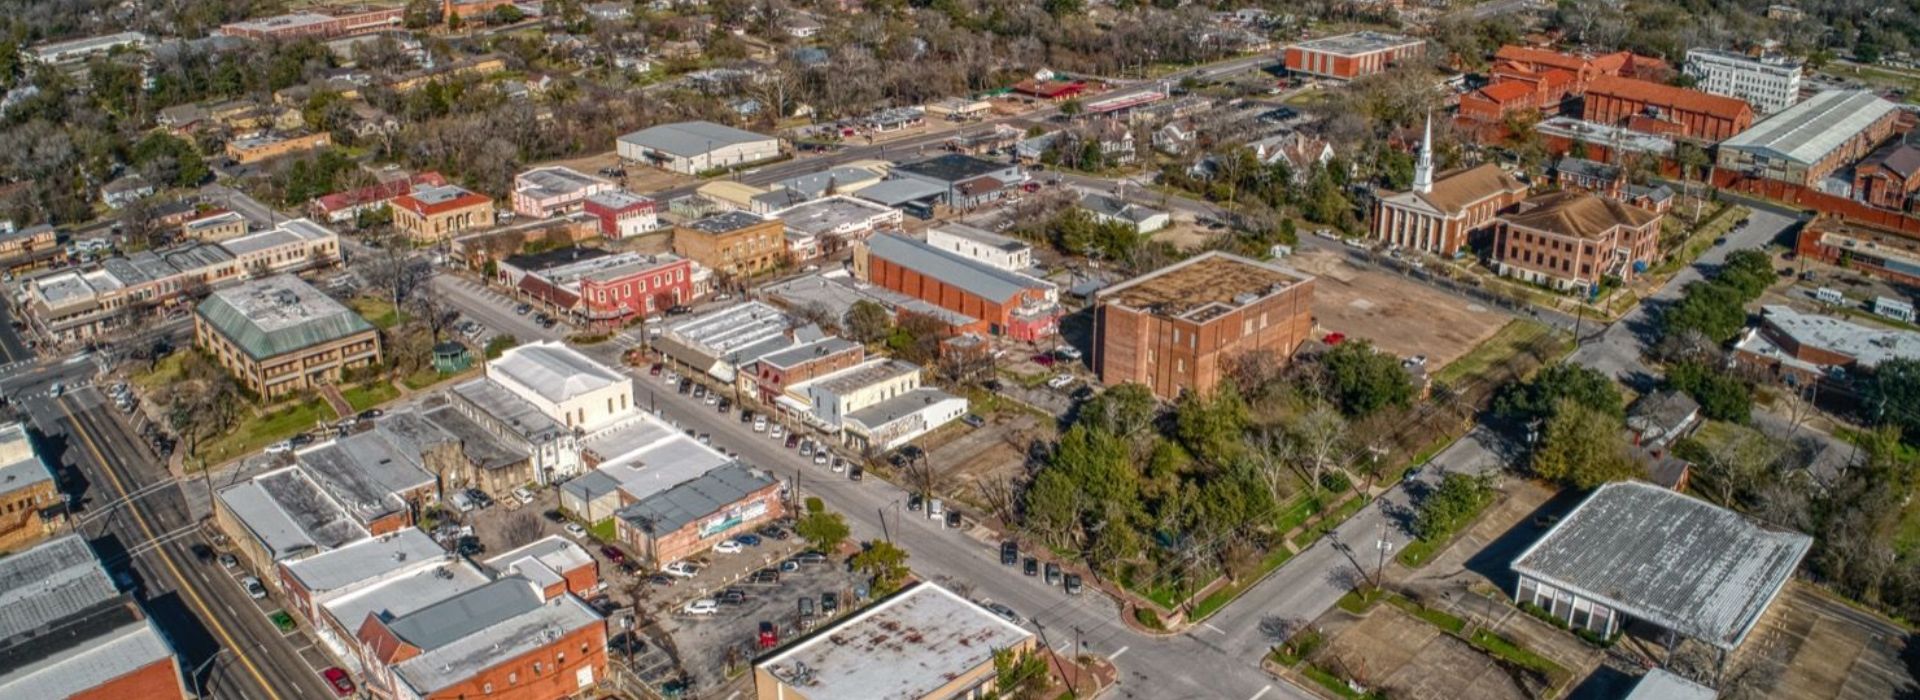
<point x="1320" y="436"/>
<point x="521" y="528"/>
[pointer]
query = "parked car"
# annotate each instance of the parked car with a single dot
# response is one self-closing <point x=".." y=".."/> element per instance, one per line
<point x="793" y="441"/>
<point x="614" y="554"/>
<point x="682" y="569"/>
<point x="1060" y="381"/>
<point x="1053" y="573"/>
<point x="810" y="557"/>
<point x="338" y="680"/>
<point x="776" y="431"/>
<point x="839" y="465"/>
<point x="973" y="420"/>
<point x="769" y="635"/>
<point x="229" y="562"/>
<point x="1073" y="584"/>
<point x="727" y="547"/>
<point x="775" y="532"/>
<point x="1004" y="612"/>
<point x="829" y="603"/>
<point x="1030" y="567"/>
<point x="857" y="473"/>
<point x="821" y="457"/>
<point x="703" y="606"/>
<point x="1044" y="360"/>
<point x="733" y="596"/>
<point x="750" y="540"/>
<point x="805" y="446"/>
<point x="253" y="586"/>
<point x="1009" y="553"/>
<point x="759" y="424"/>
<point x="522" y="495"/>
<point x="913" y="502"/>
<point x="575" y="530"/>
<point x="765" y="576"/>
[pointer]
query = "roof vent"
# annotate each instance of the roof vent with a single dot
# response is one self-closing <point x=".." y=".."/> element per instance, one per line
<point x="1244" y="298"/>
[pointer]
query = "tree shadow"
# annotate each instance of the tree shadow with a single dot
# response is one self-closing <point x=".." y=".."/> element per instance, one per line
<point x="1495" y="561"/>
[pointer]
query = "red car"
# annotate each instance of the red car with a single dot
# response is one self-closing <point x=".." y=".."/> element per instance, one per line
<point x="769" y="635"/>
<point x="1334" y="338"/>
<point x="654" y="371"/>
<point x="614" y="554"/>
<point x="1044" y="359"/>
<point x="342" y="685"/>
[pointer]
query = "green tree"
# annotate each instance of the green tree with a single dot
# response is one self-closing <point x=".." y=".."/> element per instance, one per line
<point x="1749" y="271"/>
<point x="823" y="531"/>
<point x="1584" y="447"/>
<point x="1537" y="398"/>
<point x="1364" y="380"/>
<point x="1717" y="311"/>
<point x="1892" y="397"/>
<point x="885" y="563"/>
<point x="1457" y="498"/>
<point x="1016" y="674"/>
<point x="1072" y="107"/>
<point x="1213" y="428"/>
<point x="1721" y="396"/>
<point x="868" y="321"/>
<point x="1127" y="410"/>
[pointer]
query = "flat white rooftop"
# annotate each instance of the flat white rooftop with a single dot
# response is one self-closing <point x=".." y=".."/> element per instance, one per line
<point x="903" y="648"/>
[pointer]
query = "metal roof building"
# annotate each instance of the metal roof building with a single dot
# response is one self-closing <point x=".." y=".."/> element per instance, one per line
<point x="277" y="315"/>
<point x="976" y="278"/>
<point x="20" y="466"/>
<point x="1638" y="550"/>
<point x="1808" y="131"/>
<point x="66" y="631"/>
<point x="924" y="642"/>
<point x="691" y="138"/>
<point x="682" y="505"/>
<point x="1661" y="684"/>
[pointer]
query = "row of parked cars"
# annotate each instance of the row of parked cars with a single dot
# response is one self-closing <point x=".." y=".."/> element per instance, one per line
<point x="1031" y="566"/>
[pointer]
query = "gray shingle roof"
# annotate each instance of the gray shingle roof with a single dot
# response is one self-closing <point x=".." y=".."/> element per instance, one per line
<point x="277" y="315"/>
<point x="1667" y="558"/>
<point x="985" y="281"/>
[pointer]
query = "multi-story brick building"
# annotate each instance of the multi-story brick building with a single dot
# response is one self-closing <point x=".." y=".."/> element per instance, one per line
<point x="772" y="374"/>
<point x="554" y="190"/>
<point x="1664" y="109"/>
<point x="1350" y="56"/>
<point x="432" y="214"/>
<point x="622" y="214"/>
<point x="1443" y="212"/>
<point x="31" y="507"/>
<point x="605" y="290"/>
<point x="737" y="244"/>
<point x="254" y="149"/>
<point x="1571" y="241"/>
<point x="279" y="335"/>
<point x="1002" y="302"/>
<point x="1813" y="348"/>
<point x="1176" y="329"/>
<point x="1806" y="142"/>
<point x="1562" y="75"/>
<point x="294" y="245"/>
<point x="501" y="639"/>
<point x="1889" y="176"/>
<point x="312" y="24"/>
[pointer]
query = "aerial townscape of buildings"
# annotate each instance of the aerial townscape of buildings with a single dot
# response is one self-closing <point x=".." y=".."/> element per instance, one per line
<point x="523" y="350"/>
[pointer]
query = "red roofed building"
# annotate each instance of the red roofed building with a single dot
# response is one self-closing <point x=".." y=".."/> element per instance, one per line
<point x="1531" y="64"/>
<point x="431" y="214"/>
<point x="1664" y="109"/>
<point x="1050" y="89"/>
<point x="1494" y="102"/>
<point x="341" y="207"/>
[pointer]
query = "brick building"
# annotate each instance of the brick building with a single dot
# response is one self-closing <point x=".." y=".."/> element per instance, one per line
<point x="1571" y="241"/>
<point x="1498" y="100"/>
<point x="603" y="290"/>
<point x="622" y="214"/>
<point x="279" y="335"/>
<point x="501" y="639"/>
<point x="1889" y="176"/>
<point x="775" y="372"/>
<point x="545" y="192"/>
<point x="1610" y="181"/>
<point x="734" y="243"/>
<point x="254" y="149"/>
<point x="691" y="516"/>
<point x="1175" y="329"/>
<point x="432" y="214"/>
<point x="341" y="207"/>
<point x="1811" y="348"/>
<point x="1350" y="56"/>
<point x="1442" y="212"/>
<point x="1808" y="141"/>
<point x="1002" y="302"/>
<point x="313" y="24"/>
<point x="31" y="507"/>
<point x="1663" y="109"/>
<point x="1885" y="253"/>
<point x="1568" y="75"/>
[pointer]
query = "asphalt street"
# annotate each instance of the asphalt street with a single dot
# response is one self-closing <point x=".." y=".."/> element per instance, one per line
<point x="1174" y="667"/>
<point x="137" y="518"/>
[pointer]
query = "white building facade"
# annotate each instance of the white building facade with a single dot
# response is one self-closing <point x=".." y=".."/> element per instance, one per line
<point x="1768" y="83"/>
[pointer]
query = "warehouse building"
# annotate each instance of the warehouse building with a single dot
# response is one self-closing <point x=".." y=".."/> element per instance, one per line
<point x="1813" y="139"/>
<point x="690" y="148"/>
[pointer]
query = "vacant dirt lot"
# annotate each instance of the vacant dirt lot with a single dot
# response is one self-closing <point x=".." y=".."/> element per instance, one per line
<point x="1390" y="649"/>
<point x="1400" y="316"/>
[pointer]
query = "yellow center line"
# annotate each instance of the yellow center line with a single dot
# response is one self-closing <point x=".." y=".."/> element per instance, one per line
<point x="147" y="529"/>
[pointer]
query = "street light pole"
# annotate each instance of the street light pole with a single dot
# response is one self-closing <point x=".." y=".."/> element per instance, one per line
<point x="199" y="682"/>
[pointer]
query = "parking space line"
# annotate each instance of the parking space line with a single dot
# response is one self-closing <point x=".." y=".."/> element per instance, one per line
<point x="1116" y="654"/>
<point x="1263" y="691"/>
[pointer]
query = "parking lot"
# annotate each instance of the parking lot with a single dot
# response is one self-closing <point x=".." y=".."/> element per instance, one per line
<point x="708" y="643"/>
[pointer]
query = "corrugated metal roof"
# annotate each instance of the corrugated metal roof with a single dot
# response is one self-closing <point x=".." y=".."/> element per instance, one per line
<point x="689" y="139"/>
<point x="706" y="495"/>
<point x="1661" y="684"/>
<point x="553" y="370"/>
<point x="39" y="586"/>
<point x="1808" y="131"/>
<point x="502" y="639"/>
<point x="1676" y="561"/>
<point x="906" y="646"/>
<point x="277" y="315"/>
<point x="981" y="280"/>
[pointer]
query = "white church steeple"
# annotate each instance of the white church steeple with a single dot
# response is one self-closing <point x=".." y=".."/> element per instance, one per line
<point x="1423" y="169"/>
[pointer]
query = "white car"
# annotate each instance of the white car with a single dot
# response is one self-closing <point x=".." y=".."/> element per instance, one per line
<point x="522" y="495"/>
<point x="682" y="569"/>
<point x="727" y="547"/>
<point x="776" y="432"/>
<point x="703" y="606"/>
<point x="254" y="589"/>
<point x="575" y="530"/>
<point x="1060" y="381"/>
<point x="759" y="424"/>
<point x="281" y="447"/>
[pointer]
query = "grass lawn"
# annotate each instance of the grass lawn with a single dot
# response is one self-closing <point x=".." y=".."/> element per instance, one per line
<point x="603" y="530"/>
<point x="1358" y="602"/>
<point x="1504" y="648"/>
<point x="1442" y="620"/>
<point x="1295" y="513"/>
<point x="426" y="377"/>
<point x="1511" y="340"/>
<point x="166" y="371"/>
<point x="262" y="429"/>
<point x="377" y="311"/>
<point x="1700" y="240"/>
<point x="369" y="395"/>
<point x="1338" y="515"/>
<point x="1331" y="682"/>
<point x="1223" y="595"/>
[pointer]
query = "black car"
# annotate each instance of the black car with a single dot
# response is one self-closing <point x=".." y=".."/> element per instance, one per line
<point x="775" y="532"/>
<point x="686" y="386"/>
<point x="913" y="503"/>
<point x="469" y="546"/>
<point x="371" y="414"/>
<point x="746" y="416"/>
<point x="810" y="557"/>
<point x="1031" y="567"/>
<point x="1073" y="584"/>
<point x="953" y="519"/>
<point x="1009" y="553"/>
<point x="828" y="602"/>
<point x="627" y="643"/>
<point x="765" y="576"/>
<point x="856" y="473"/>
<point x="660" y="581"/>
<point x="733" y="597"/>
<point x="555" y="516"/>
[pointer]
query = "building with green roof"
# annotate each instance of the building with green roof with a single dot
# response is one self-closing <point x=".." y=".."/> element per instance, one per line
<point x="278" y="335"/>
